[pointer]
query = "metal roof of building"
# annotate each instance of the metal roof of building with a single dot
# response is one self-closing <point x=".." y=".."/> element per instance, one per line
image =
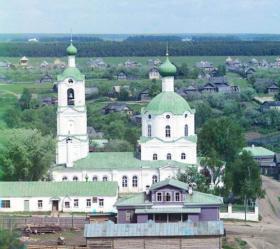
<point x="151" y="229"/>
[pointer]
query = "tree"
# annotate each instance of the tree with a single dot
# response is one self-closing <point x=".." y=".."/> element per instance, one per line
<point x="193" y="177"/>
<point x="222" y="135"/>
<point x="10" y="240"/>
<point x="221" y="70"/>
<point x="25" y="99"/>
<point x="118" y="146"/>
<point x="183" y="70"/>
<point x="243" y="177"/>
<point x="26" y="156"/>
<point x="123" y="95"/>
<point x="154" y="89"/>
<point x="203" y="113"/>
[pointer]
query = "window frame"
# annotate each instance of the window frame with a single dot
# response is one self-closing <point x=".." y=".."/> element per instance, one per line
<point x="155" y="157"/>
<point x="135" y="181"/>
<point x="101" y="202"/>
<point x="76" y="203"/>
<point x="149" y="130"/>
<point x="157" y="196"/>
<point x="5" y="204"/>
<point x="168" y="131"/>
<point x="88" y="203"/>
<point x="40" y="204"/>
<point x="154" y="181"/>
<point x="124" y="181"/>
<point x="183" y="156"/>
<point x="168" y="156"/>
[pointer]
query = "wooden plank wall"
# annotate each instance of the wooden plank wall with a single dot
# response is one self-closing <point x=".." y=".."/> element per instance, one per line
<point x="154" y="243"/>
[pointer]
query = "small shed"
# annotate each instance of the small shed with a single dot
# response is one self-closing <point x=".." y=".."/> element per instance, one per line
<point x="23" y="61"/>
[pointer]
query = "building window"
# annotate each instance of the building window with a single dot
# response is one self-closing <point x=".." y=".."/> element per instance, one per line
<point x="70" y="96"/>
<point x="94" y="199"/>
<point x="149" y="130"/>
<point x="186" y="115"/>
<point x="168" y="156"/>
<point x="159" y="196"/>
<point x="70" y="81"/>
<point x="64" y="178"/>
<point x="127" y="216"/>
<point x="154" y="179"/>
<point x="177" y="196"/>
<point x="134" y="181"/>
<point x="75" y="178"/>
<point x="186" y="130"/>
<point x="76" y="203"/>
<point x="40" y="204"/>
<point x="88" y="202"/>
<point x="149" y="116"/>
<point x="94" y="179"/>
<point x="154" y="156"/>
<point x="105" y="179"/>
<point x="101" y="202"/>
<point x="167" y="131"/>
<point x="124" y="181"/>
<point x="5" y="204"/>
<point x="167" y="197"/>
<point x="183" y="156"/>
<point x="168" y="116"/>
<point x="67" y="204"/>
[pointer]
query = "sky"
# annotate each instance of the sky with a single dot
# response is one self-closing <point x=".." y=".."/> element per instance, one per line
<point x="139" y="16"/>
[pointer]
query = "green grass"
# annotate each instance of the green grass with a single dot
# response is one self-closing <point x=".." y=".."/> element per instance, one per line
<point x="235" y="79"/>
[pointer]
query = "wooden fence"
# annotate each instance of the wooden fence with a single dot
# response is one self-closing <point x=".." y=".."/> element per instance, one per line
<point x="55" y="247"/>
<point x="12" y="222"/>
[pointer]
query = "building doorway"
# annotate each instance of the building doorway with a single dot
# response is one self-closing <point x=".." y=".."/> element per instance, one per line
<point x="26" y="206"/>
<point x="55" y="205"/>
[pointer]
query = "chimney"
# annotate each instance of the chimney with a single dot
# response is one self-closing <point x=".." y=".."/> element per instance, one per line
<point x="147" y="191"/>
<point x="190" y="190"/>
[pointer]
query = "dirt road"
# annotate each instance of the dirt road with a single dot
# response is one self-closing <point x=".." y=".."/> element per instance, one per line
<point x="265" y="234"/>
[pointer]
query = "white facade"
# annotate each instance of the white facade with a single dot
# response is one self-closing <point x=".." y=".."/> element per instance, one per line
<point x="64" y="203"/>
<point x="72" y="138"/>
<point x="145" y="177"/>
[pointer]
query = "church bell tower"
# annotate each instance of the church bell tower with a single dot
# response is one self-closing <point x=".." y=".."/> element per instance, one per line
<point x="72" y="138"/>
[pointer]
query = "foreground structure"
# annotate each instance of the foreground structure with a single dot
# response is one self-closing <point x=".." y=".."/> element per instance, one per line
<point x="58" y="196"/>
<point x="169" y="201"/>
<point x="200" y="235"/>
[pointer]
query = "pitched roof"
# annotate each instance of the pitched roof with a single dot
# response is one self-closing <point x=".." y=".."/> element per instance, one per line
<point x="259" y="151"/>
<point x="107" y="160"/>
<point x="199" y="198"/>
<point x="71" y="72"/>
<point x="151" y="229"/>
<point x="58" y="189"/>
<point x="170" y="182"/>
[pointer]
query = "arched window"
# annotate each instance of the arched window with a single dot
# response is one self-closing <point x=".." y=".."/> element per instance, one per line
<point x="70" y="96"/>
<point x="70" y="81"/>
<point x="105" y="179"/>
<point x="167" y="131"/>
<point x="183" y="156"/>
<point x="149" y="130"/>
<point x="177" y="196"/>
<point x="75" y="178"/>
<point x="154" y="156"/>
<point x="64" y="178"/>
<point x="186" y="130"/>
<point x="154" y="179"/>
<point x="124" y="181"/>
<point x="167" y="197"/>
<point x="159" y="197"/>
<point x="134" y="181"/>
<point x="95" y="179"/>
<point x="168" y="156"/>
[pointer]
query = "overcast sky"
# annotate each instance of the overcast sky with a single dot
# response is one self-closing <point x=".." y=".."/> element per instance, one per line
<point x="140" y="16"/>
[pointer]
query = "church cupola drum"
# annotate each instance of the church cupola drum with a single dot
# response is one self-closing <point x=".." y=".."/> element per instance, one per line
<point x="72" y="138"/>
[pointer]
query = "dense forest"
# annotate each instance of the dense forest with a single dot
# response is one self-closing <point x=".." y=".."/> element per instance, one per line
<point x="144" y="48"/>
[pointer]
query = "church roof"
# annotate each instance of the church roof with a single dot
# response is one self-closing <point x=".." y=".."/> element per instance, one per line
<point x="107" y="160"/>
<point x="71" y="49"/>
<point x="71" y="72"/>
<point x="167" y="68"/>
<point x="168" y="102"/>
<point x="58" y="189"/>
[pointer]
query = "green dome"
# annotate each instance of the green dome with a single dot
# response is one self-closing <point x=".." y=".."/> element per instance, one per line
<point x="71" y="49"/>
<point x="167" y="68"/>
<point x="168" y="102"/>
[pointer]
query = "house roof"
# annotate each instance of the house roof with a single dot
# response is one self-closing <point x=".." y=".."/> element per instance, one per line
<point x="58" y="189"/>
<point x="71" y="72"/>
<point x="168" y="102"/>
<point x="107" y="160"/>
<point x="151" y="229"/>
<point x="170" y="182"/>
<point x="259" y="151"/>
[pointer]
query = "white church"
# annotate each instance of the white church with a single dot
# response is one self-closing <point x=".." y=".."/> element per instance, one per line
<point x="168" y="144"/>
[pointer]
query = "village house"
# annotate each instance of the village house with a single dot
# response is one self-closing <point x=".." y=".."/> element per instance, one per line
<point x="270" y="105"/>
<point x="220" y="85"/>
<point x="44" y="65"/>
<point x="205" y="66"/>
<point x="265" y="158"/>
<point x="154" y="74"/>
<point x="130" y="64"/>
<point x="46" y="78"/>
<point x="184" y="91"/>
<point x="144" y="95"/>
<point x="23" y="61"/>
<point x="151" y="235"/>
<point x="168" y="201"/>
<point x="117" y="107"/>
<point x="58" y="64"/>
<point x="58" y="196"/>
<point x="121" y="76"/>
<point x="98" y="63"/>
<point x="4" y="64"/>
<point x="273" y="89"/>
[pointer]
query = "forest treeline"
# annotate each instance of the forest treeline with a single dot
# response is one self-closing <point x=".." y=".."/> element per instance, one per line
<point x="137" y="48"/>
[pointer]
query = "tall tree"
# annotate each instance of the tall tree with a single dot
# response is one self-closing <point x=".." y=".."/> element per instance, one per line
<point x="10" y="240"/>
<point x="26" y="156"/>
<point x="222" y="135"/>
<point x="25" y="99"/>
